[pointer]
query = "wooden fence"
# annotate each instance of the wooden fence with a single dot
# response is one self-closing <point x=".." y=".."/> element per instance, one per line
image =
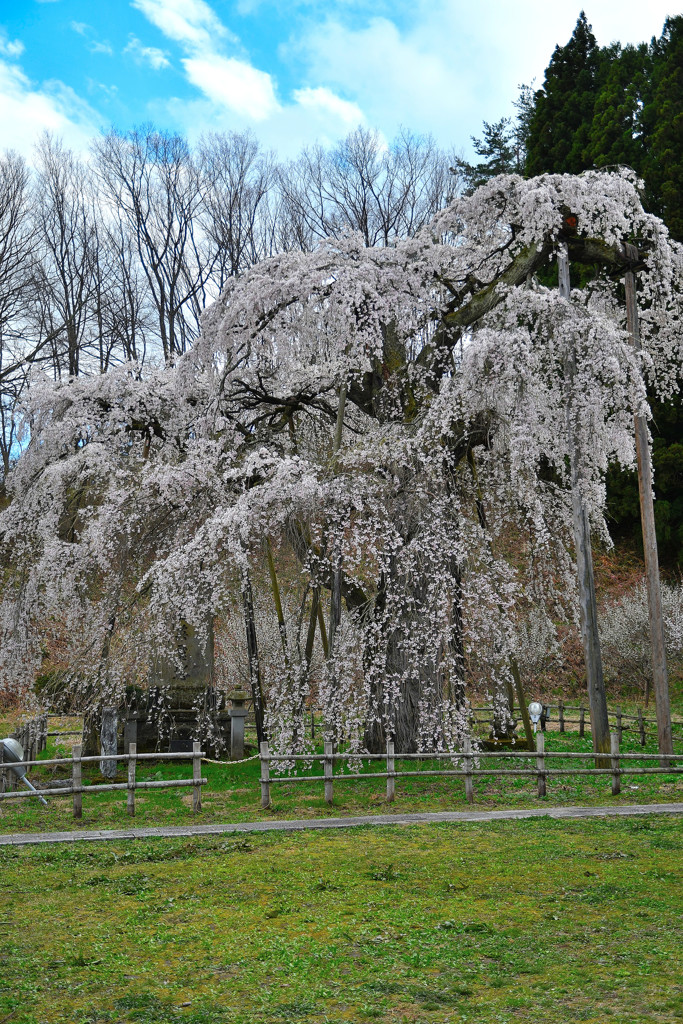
<point x="621" y="720"/>
<point x="76" y="789"/>
<point x="469" y="770"/>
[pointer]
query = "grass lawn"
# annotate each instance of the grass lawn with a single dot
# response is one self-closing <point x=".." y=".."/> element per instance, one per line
<point x="530" y="921"/>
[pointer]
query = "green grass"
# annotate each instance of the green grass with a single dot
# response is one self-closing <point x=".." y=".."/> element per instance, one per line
<point x="233" y="793"/>
<point x="541" y="922"/>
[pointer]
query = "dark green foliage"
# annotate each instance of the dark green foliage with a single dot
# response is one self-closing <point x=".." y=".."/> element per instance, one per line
<point x="559" y="129"/>
<point x="600" y="107"/>
<point x="501" y="149"/>
<point x="663" y="128"/>
<point x="667" y="460"/>
<point x="614" y="105"/>
<point x="616" y="130"/>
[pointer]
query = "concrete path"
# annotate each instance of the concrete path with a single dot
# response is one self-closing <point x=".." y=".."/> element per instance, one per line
<point x="454" y="817"/>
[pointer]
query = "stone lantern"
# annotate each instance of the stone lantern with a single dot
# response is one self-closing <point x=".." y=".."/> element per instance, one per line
<point x="238" y="714"/>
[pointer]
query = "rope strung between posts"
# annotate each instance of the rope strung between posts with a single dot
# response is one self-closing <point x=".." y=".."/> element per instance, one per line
<point x="243" y="761"/>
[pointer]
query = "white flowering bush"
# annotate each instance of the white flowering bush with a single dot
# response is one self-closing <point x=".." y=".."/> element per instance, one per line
<point x="625" y="635"/>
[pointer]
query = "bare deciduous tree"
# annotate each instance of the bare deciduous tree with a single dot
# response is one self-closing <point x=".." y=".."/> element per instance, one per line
<point x="384" y="192"/>
<point x="237" y="180"/>
<point x="151" y="178"/>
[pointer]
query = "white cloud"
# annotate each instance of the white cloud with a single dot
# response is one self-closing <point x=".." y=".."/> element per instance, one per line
<point x="27" y="110"/>
<point x="324" y="101"/>
<point x="396" y="78"/>
<point x="444" y="66"/>
<point x="190" y="22"/>
<point x="233" y="84"/>
<point x="228" y="82"/>
<point x="10" y="47"/>
<point x="156" y="58"/>
<point x="105" y="48"/>
<point x="94" y="45"/>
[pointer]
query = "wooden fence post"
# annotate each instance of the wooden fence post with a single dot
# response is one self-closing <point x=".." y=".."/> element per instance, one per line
<point x="130" y="803"/>
<point x="582" y="720"/>
<point x="312" y="725"/>
<point x="545" y="715"/>
<point x="540" y="762"/>
<point x="619" y="726"/>
<point x="467" y="763"/>
<point x="560" y="710"/>
<point x="641" y="727"/>
<point x="391" y="781"/>
<point x="3" y="781"/>
<point x="265" y="774"/>
<point x="328" y="771"/>
<point x="77" y="780"/>
<point x="196" y="777"/>
<point x="616" y="777"/>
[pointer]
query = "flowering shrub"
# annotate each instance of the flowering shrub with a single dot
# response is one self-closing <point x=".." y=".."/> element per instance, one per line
<point x="625" y="634"/>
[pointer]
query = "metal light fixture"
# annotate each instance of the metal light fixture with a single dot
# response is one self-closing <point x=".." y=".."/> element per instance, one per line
<point x="13" y="752"/>
<point x="535" y="712"/>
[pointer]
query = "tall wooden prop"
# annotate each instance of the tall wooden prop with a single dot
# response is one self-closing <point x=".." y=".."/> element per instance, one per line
<point x="647" y="518"/>
<point x="252" y="651"/>
<point x="584" y="560"/>
<point x="336" y="594"/>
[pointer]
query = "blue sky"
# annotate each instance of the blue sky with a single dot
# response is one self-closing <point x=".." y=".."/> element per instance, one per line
<point x="293" y="72"/>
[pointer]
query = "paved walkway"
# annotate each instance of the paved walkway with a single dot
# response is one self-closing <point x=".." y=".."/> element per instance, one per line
<point x="454" y="817"/>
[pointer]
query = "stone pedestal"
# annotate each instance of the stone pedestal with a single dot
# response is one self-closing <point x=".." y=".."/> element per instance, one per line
<point x="238" y="714"/>
<point x="108" y="743"/>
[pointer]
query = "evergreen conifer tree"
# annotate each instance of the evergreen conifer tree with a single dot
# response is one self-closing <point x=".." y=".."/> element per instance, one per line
<point x="663" y="124"/>
<point x="616" y="132"/>
<point x="501" y="153"/>
<point x="559" y="131"/>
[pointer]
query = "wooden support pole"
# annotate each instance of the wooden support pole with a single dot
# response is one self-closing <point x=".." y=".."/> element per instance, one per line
<point x="582" y="720"/>
<point x="130" y="801"/>
<point x="521" y="700"/>
<point x="252" y="652"/>
<point x="336" y="592"/>
<point x="540" y="762"/>
<point x="616" y="777"/>
<point x="588" y="608"/>
<point x="467" y="764"/>
<point x="619" y="725"/>
<point x="335" y="596"/>
<point x="560" y="714"/>
<point x="391" y="781"/>
<point x="265" y="774"/>
<point x="312" y="725"/>
<point x="328" y="751"/>
<point x="660" y="675"/>
<point x="641" y="727"/>
<point x="77" y="780"/>
<point x="196" y="777"/>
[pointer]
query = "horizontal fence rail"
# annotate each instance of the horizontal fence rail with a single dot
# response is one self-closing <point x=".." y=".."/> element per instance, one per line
<point x="76" y="788"/>
<point x="469" y="759"/>
<point x="560" y="710"/>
